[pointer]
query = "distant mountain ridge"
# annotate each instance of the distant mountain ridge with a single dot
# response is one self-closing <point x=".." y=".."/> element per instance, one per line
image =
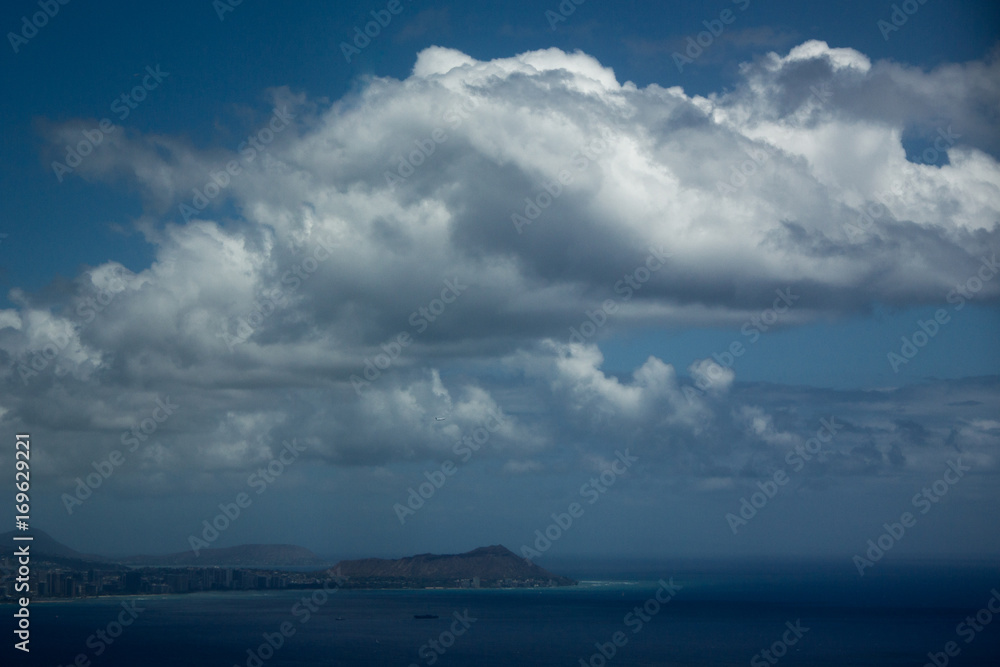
<point x="244" y="555"/>
<point x="43" y="544"/>
<point x="489" y="564"/>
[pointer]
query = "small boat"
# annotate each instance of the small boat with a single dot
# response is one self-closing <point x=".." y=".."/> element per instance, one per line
<point x="339" y="618"/>
<point x="425" y="616"/>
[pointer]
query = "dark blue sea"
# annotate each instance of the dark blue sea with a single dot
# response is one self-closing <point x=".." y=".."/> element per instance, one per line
<point x="710" y="615"/>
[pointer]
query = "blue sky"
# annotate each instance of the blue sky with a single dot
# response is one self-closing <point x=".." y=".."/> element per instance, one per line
<point x="844" y="108"/>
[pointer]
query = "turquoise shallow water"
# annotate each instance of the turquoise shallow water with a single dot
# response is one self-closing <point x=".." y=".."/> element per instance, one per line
<point x="712" y="618"/>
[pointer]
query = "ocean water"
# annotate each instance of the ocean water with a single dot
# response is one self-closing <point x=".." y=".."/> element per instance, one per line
<point x="715" y="617"/>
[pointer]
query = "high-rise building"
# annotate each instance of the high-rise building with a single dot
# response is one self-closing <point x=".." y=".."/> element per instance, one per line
<point x="133" y="582"/>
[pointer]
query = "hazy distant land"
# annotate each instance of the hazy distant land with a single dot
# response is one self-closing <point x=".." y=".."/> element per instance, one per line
<point x="60" y="571"/>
